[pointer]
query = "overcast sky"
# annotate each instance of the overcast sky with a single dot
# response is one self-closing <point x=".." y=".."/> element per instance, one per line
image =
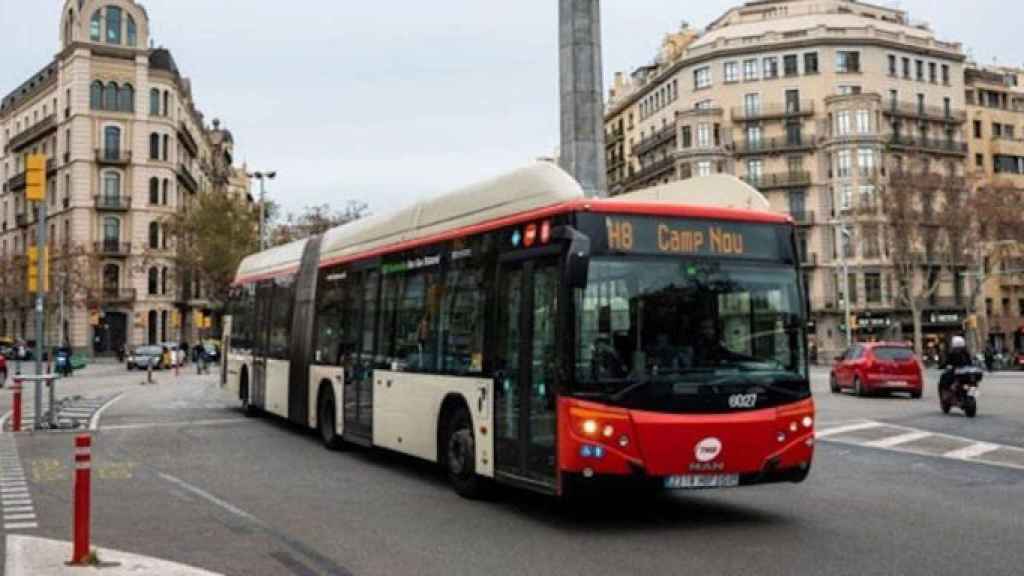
<point x="388" y="102"/>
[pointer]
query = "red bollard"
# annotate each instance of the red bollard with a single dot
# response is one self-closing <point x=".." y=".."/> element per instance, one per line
<point x="16" y="416"/>
<point x="83" y="463"/>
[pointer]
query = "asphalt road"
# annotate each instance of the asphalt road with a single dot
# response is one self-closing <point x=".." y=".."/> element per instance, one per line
<point x="181" y="474"/>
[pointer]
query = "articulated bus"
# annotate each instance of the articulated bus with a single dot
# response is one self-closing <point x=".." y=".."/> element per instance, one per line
<point x="519" y="332"/>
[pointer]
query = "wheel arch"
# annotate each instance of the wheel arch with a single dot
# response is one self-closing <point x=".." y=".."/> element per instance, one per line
<point x="451" y="403"/>
<point x="243" y="383"/>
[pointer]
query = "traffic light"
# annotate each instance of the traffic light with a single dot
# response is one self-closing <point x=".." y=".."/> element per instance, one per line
<point x="33" y="269"/>
<point x="35" y="178"/>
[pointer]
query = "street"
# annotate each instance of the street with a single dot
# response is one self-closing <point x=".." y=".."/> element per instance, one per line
<point x="181" y="474"/>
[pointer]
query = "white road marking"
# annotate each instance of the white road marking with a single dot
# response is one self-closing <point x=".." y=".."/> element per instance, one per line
<point x="20" y="526"/>
<point x="179" y="423"/>
<point x="19" y="509"/>
<point x="210" y="498"/>
<point x="972" y="451"/>
<point x="847" y="428"/>
<point x="94" y="422"/>
<point x="19" y="517"/>
<point x="893" y="441"/>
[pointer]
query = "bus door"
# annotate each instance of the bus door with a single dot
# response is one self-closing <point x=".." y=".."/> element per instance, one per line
<point x="525" y="394"/>
<point x="358" y="391"/>
<point x="261" y="327"/>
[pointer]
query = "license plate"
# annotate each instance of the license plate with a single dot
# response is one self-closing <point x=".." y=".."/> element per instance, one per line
<point x="696" y="481"/>
<point x="898" y="383"/>
<point x="973" y="392"/>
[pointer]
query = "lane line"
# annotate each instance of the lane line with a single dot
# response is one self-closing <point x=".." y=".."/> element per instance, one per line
<point x="893" y="441"/>
<point x="847" y="428"/>
<point x="19" y="502"/>
<point x="20" y="509"/>
<point x="179" y="423"/>
<point x="20" y="526"/>
<point x="19" y="517"/>
<point x="210" y="498"/>
<point x="94" y="422"/>
<point x="973" y="451"/>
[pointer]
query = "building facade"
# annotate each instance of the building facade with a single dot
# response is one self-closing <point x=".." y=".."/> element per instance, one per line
<point x="813" y="102"/>
<point x="995" y="111"/>
<point x="127" y="147"/>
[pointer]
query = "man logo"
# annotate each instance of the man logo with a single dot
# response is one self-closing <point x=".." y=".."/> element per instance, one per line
<point x="708" y="449"/>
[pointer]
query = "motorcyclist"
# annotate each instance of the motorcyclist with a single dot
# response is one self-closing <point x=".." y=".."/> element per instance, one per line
<point x="958" y="357"/>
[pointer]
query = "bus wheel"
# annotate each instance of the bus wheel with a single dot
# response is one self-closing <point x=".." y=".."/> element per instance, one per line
<point x="327" y="421"/>
<point x="460" y="456"/>
<point x="243" y="390"/>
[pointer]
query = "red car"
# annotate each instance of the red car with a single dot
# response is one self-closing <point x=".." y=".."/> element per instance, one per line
<point x="878" y="367"/>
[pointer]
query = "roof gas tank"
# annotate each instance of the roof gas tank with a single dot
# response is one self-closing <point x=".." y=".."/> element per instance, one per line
<point x="714" y="191"/>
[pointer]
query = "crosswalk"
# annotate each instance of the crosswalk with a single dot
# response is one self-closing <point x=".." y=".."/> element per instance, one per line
<point x="15" y="499"/>
<point x="72" y="413"/>
<point x="891" y="437"/>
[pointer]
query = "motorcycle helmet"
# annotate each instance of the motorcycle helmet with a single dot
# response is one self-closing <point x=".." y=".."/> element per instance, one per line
<point x="959" y="342"/>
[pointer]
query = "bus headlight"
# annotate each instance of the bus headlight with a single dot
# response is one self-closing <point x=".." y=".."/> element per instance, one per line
<point x="589" y="427"/>
<point x="609" y="431"/>
<point x="808" y="422"/>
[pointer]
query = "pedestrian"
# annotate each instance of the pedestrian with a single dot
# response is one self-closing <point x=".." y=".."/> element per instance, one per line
<point x="990" y="357"/>
<point x="122" y="351"/>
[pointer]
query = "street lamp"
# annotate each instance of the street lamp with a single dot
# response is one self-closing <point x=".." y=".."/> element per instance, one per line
<point x="845" y="238"/>
<point x="262" y="177"/>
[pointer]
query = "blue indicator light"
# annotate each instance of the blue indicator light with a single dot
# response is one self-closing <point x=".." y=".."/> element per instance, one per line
<point x="598" y="452"/>
<point x="516" y="238"/>
<point x="586" y="451"/>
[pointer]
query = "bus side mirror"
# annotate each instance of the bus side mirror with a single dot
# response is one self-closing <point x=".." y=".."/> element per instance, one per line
<point x="576" y="265"/>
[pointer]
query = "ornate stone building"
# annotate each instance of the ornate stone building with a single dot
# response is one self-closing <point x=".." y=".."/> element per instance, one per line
<point x="127" y="146"/>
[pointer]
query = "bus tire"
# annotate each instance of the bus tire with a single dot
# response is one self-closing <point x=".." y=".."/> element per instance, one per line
<point x="460" y="456"/>
<point x="327" y="419"/>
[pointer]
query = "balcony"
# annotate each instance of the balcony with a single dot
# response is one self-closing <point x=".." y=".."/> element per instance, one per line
<point x="113" y="157"/>
<point x="809" y="260"/>
<point x="113" y="203"/>
<point x="17" y="182"/>
<point x="775" y="145"/>
<point x="185" y="135"/>
<point x="931" y="145"/>
<point x="804" y="218"/>
<point x="613" y="137"/>
<point x="779" y="180"/>
<point x="663" y="136"/>
<point x="40" y="130"/>
<point x="656" y="169"/>
<point x="773" y="111"/>
<point x="113" y="248"/>
<point x="22" y="220"/>
<point x="186" y="178"/>
<point x="914" y="111"/>
<point x="117" y="296"/>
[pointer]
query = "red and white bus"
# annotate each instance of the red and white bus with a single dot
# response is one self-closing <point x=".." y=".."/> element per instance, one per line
<point x="516" y="331"/>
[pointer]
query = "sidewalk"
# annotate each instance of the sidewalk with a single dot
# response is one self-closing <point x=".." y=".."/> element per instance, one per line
<point x="31" y="556"/>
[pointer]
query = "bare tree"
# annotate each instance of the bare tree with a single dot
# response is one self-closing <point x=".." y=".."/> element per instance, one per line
<point x="315" y="220"/>
<point x="931" y="231"/>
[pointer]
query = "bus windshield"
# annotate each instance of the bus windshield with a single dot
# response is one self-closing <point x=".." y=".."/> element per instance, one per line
<point x="678" y="335"/>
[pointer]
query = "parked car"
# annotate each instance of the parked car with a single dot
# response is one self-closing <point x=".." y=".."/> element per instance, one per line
<point x="877" y="368"/>
<point x="145" y="356"/>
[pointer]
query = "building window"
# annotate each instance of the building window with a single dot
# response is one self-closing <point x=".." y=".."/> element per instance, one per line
<point x="126" y="99"/>
<point x="933" y="74"/>
<point x="113" y="25"/>
<point x="96" y="95"/>
<point x="752" y="104"/>
<point x="687" y="137"/>
<point x="750" y="71"/>
<point x="154" y="191"/>
<point x="704" y="168"/>
<point x="154" y="146"/>
<point x="111" y="232"/>
<point x="166" y="187"/>
<point x="979" y="160"/>
<point x="847" y="61"/>
<point x="167" y="103"/>
<point x="755" y="171"/>
<point x="94" y="26"/>
<point x="770" y="67"/>
<point x="111" y="279"/>
<point x="754" y="137"/>
<point x="977" y="128"/>
<point x="892" y="65"/>
<point x="906" y="67"/>
<point x="873" y="288"/>
<point x="863" y="122"/>
<point x="154" y="235"/>
<point x="731" y="72"/>
<point x="703" y="136"/>
<point x="843" y="161"/>
<point x="154" y="102"/>
<point x="112" y="142"/>
<point x="154" y="281"/>
<point x="811" y="63"/>
<point x="110" y="97"/>
<point x="866" y="161"/>
<point x="945" y="74"/>
<point x="702" y="78"/>
<point x="111" y="186"/>
<point x="790" y="65"/>
<point x="167" y="145"/>
<point x="843" y="123"/>
<point x="919" y="67"/>
<point x="133" y="35"/>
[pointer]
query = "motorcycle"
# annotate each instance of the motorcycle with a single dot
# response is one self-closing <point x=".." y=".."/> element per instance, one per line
<point x="963" y="392"/>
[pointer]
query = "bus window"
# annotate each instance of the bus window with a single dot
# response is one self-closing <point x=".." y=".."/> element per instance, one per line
<point x="335" y="337"/>
<point x="462" y="319"/>
<point x="281" y="318"/>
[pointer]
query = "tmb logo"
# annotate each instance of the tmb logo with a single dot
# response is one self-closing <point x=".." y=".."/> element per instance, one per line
<point x="708" y="449"/>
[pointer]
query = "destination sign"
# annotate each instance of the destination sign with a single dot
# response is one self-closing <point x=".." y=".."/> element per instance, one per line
<point x="690" y="237"/>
